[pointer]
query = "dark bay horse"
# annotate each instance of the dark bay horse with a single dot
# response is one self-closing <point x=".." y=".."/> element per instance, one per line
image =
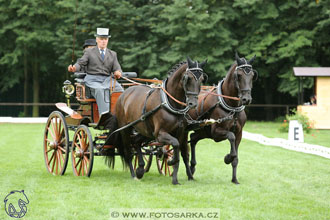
<point x="163" y="114"/>
<point x="237" y="83"/>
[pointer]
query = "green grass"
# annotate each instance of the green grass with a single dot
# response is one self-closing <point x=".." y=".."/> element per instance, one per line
<point x="275" y="183"/>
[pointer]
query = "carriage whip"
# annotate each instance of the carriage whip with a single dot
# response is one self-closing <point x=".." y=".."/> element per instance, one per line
<point x="74" y="33"/>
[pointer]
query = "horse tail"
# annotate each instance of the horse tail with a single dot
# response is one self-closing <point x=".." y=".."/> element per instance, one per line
<point x="115" y="140"/>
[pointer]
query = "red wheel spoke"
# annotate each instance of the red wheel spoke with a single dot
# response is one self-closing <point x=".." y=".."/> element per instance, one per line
<point x="54" y="162"/>
<point x="75" y="144"/>
<point x="61" y="155"/>
<point x="86" y="159"/>
<point x="86" y="164"/>
<point x="62" y="149"/>
<point x="83" y="166"/>
<point x="51" y="158"/>
<point x="86" y="145"/>
<point x="77" y="163"/>
<point x="62" y="140"/>
<point x="51" y="133"/>
<point x="81" y="163"/>
<point x="49" y="151"/>
<point x="59" y="160"/>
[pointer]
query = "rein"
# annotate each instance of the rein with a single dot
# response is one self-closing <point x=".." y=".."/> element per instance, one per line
<point x="157" y="87"/>
<point x="215" y="94"/>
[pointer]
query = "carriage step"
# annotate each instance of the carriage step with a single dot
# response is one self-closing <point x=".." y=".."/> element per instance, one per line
<point x="93" y="125"/>
<point x="99" y="147"/>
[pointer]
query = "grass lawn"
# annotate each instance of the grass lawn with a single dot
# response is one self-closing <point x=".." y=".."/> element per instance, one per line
<point x="275" y="183"/>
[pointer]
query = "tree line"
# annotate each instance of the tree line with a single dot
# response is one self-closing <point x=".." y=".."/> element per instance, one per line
<point x="150" y="36"/>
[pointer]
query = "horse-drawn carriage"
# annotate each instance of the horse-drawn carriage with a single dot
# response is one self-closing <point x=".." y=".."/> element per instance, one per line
<point x="152" y="121"/>
<point x="58" y="144"/>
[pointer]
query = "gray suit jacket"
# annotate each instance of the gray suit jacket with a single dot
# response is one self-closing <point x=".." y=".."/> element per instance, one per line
<point x="95" y="65"/>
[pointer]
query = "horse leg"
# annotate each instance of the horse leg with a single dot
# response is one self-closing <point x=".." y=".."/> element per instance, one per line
<point x="232" y="155"/>
<point x="127" y="149"/>
<point x="234" y="163"/>
<point x="185" y="157"/>
<point x="166" y="138"/>
<point x="175" y="174"/>
<point x="131" y="169"/>
<point x="194" y="138"/>
<point x="140" y="169"/>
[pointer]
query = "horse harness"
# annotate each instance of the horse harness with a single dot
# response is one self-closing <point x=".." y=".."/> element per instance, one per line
<point x="165" y="102"/>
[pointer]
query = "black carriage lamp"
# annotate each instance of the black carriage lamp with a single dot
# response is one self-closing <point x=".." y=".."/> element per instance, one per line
<point x="68" y="89"/>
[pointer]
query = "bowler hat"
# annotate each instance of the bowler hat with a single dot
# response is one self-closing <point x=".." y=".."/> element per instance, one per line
<point x="102" y="32"/>
<point x="89" y="42"/>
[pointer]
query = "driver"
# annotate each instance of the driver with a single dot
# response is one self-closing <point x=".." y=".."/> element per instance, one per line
<point x="100" y="62"/>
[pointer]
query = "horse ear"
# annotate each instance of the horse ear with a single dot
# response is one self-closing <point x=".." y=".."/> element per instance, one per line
<point x="255" y="75"/>
<point x="206" y="78"/>
<point x="190" y="62"/>
<point x="252" y="59"/>
<point x="202" y="64"/>
<point x="238" y="60"/>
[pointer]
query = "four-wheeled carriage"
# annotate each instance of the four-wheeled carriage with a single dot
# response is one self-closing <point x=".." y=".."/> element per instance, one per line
<point x="82" y="145"/>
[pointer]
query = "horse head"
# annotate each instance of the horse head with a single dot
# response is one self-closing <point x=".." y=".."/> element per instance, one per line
<point x="192" y="79"/>
<point x="244" y="75"/>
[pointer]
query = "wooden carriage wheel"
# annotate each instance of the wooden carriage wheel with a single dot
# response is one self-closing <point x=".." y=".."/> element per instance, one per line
<point x="163" y="167"/>
<point x="147" y="160"/>
<point x="82" y="154"/>
<point x="56" y="144"/>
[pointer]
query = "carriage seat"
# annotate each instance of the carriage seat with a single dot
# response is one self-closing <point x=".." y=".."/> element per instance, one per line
<point x="83" y="93"/>
<point x="79" y="76"/>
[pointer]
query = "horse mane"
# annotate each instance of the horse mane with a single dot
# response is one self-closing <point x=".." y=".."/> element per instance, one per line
<point x="231" y="69"/>
<point x="176" y="67"/>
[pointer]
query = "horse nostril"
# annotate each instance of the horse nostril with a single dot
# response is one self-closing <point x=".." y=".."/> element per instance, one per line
<point x="191" y="104"/>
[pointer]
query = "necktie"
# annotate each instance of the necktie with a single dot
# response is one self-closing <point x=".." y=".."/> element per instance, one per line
<point x="102" y="54"/>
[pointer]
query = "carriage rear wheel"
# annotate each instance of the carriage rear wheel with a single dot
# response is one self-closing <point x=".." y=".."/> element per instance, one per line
<point x="56" y="144"/>
<point x="82" y="152"/>
<point x="162" y="159"/>
<point x="147" y="160"/>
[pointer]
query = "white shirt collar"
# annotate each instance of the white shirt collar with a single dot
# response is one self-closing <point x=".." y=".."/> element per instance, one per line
<point x="105" y="49"/>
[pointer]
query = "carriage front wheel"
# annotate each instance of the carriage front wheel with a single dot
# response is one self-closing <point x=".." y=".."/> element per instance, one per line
<point x="82" y="153"/>
<point x="56" y="144"/>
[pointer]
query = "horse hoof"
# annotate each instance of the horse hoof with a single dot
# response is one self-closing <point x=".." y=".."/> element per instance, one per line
<point x="191" y="178"/>
<point x="175" y="183"/>
<point x="228" y="159"/>
<point x="139" y="172"/>
<point x="235" y="182"/>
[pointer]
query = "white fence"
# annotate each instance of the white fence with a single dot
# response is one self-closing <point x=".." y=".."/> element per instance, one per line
<point x="290" y="145"/>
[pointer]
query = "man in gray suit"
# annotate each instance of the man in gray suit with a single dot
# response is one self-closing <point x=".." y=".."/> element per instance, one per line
<point x="100" y="62"/>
